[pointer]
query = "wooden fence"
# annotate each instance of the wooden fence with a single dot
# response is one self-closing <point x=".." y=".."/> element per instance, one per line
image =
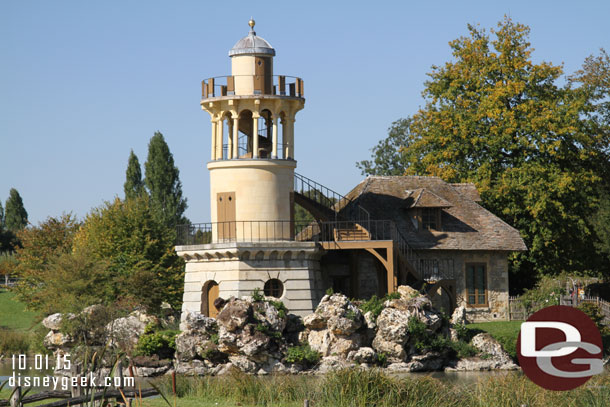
<point x="518" y="311"/>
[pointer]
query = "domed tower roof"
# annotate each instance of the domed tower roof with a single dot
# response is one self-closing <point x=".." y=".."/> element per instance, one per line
<point x="252" y="44"/>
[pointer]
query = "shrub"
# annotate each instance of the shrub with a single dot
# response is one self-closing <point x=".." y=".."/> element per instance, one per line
<point x="546" y="293"/>
<point x="374" y="305"/>
<point x="13" y="342"/>
<point x="161" y="343"/>
<point x="257" y="296"/>
<point x="302" y="354"/>
<point x="282" y="311"/>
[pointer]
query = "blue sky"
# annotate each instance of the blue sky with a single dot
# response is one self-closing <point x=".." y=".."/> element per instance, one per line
<point x="82" y="83"/>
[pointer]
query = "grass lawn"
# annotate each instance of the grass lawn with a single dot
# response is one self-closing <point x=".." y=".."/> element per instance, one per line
<point x="13" y="315"/>
<point x="505" y="332"/>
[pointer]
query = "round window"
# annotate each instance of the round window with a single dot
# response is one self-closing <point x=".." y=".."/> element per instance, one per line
<point x="274" y="288"/>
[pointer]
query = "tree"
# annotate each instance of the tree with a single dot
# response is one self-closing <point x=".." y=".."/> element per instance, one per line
<point x="537" y="151"/>
<point x="133" y="178"/>
<point x="15" y="215"/>
<point x="1" y="217"/>
<point x="163" y="182"/>
<point x="387" y="157"/>
<point x="138" y="247"/>
<point x="40" y="246"/>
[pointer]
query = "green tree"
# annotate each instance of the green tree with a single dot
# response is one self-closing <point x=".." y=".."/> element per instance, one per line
<point x="163" y="182"/>
<point x="133" y="178"/>
<point x="535" y="150"/>
<point x="40" y="246"/>
<point x="1" y="217"/>
<point x="15" y="215"/>
<point x="138" y="247"/>
<point x="387" y="157"/>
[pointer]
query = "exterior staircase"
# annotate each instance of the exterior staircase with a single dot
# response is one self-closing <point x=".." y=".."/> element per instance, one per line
<point x="339" y="221"/>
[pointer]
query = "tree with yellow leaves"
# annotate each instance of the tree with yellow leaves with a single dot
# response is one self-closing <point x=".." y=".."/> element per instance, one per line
<point x="537" y="151"/>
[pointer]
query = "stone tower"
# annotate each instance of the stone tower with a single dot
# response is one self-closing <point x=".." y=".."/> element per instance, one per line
<point x="250" y="242"/>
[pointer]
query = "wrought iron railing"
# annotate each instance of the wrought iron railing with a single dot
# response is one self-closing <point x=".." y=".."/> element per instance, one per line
<point x="285" y="230"/>
<point x="330" y="199"/>
<point x="239" y="231"/>
<point x="436" y="269"/>
<point x="279" y="85"/>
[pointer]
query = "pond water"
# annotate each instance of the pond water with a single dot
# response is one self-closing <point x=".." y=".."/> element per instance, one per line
<point x="466" y="378"/>
<point x="30" y="368"/>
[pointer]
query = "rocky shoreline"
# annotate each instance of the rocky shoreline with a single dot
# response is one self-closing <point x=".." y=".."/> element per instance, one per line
<point x="256" y="335"/>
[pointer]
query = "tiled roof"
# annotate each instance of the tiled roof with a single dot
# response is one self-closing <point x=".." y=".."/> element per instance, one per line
<point x="424" y="198"/>
<point x="466" y="225"/>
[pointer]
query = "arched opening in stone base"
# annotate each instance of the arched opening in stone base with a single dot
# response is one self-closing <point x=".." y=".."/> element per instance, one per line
<point x="209" y="294"/>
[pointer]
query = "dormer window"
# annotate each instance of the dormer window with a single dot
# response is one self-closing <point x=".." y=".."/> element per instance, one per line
<point x="425" y="208"/>
<point x="430" y="219"/>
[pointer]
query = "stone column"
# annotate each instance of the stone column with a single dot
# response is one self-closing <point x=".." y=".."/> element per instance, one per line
<point x="289" y="137"/>
<point x="230" y="139"/>
<point x="274" y="138"/>
<point x="255" y="117"/>
<point x="219" y="146"/>
<point x="213" y="139"/>
<point x="235" y="137"/>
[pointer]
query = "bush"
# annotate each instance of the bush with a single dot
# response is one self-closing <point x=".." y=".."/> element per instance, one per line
<point x="14" y="342"/>
<point x="302" y="354"/>
<point x="375" y="304"/>
<point x="546" y="293"/>
<point x="161" y="343"/>
<point x="595" y="313"/>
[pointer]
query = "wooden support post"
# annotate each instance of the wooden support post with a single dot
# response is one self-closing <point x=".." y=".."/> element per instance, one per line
<point x="15" y="400"/>
<point x="76" y="391"/>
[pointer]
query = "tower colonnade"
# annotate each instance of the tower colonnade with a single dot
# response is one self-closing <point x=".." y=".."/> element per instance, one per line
<point x="233" y="123"/>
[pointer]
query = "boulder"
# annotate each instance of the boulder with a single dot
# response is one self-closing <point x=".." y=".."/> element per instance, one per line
<point x="234" y="315"/>
<point x="407" y="292"/>
<point x="193" y="367"/>
<point x="54" y="340"/>
<point x="124" y="332"/>
<point x="392" y="326"/>
<point x="363" y="355"/>
<point x="431" y="361"/>
<point x="53" y="322"/>
<point x="489" y="346"/>
<point x="459" y="316"/>
<point x="331" y="363"/>
<point x="334" y="328"/>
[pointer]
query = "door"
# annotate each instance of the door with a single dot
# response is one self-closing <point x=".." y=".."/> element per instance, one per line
<point x="210" y="293"/>
<point x="225" y="203"/>
<point x="260" y="69"/>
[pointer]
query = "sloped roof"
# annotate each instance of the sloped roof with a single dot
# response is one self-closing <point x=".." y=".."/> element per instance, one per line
<point x="466" y="225"/>
<point x="423" y="198"/>
<point x="468" y="190"/>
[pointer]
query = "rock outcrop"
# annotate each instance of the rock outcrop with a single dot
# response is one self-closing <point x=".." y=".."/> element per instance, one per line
<point x="334" y="329"/>
<point x="253" y="334"/>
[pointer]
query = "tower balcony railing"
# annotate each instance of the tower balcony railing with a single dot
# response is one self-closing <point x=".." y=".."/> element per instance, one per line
<point x="277" y="85"/>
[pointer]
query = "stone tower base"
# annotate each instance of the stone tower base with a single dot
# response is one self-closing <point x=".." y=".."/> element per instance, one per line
<point x="240" y="268"/>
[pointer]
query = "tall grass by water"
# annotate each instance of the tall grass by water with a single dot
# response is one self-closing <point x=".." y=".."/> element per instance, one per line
<point x="357" y="388"/>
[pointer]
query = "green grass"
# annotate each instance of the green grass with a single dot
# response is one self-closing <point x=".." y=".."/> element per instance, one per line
<point x="355" y="388"/>
<point x="13" y="315"/>
<point x="19" y="330"/>
<point x="505" y="332"/>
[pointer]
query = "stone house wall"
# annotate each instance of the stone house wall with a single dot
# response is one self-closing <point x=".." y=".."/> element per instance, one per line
<point x="496" y="266"/>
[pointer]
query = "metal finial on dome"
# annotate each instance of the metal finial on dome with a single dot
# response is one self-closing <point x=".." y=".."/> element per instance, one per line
<point x="251" y="23"/>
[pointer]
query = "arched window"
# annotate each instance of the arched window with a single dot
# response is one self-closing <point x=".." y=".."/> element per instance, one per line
<point x="274" y="288"/>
